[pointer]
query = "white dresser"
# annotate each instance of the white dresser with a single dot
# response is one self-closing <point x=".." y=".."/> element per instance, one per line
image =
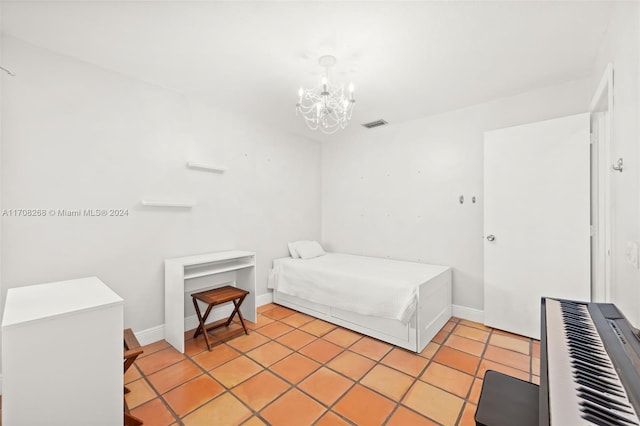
<point x="62" y="355"/>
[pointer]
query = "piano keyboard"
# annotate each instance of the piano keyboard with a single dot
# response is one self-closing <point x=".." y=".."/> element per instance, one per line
<point x="584" y="386"/>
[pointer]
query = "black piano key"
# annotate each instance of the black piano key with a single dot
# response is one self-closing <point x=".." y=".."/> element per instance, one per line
<point x="573" y="312"/>
<point x="577" y="321"/>
<point x="608" y="386"/>
<point x="580" y="365"/>
<point x="616" y="418"/>
<point x="589" y="355"/>
<point x="599" y="395"/>
<point x="607" y="370"/>
<point x="593" y="420"/>
<point x="602" y="417"/>
<point x="574" y="336"/>
<point x="581" y="327"/>
<point x="595" y="351"/>
<point x="581" y="330"/>
<point x="590" y="384"/>
<point x="595" y="378"/>
<point x="590" y="359"/>
<point x="574" y="319"/>
<point x="578" y="338"/>
<point x="565" y="302"/>
<point x="596" y="421"/>
<point x="592" y="352"/>
<point x="597" y="384"/>
<point x="607" y="403"/>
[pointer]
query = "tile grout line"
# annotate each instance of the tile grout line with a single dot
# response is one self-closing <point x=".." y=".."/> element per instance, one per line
<point x="163" y="399"/>
<point x="416" y="379"/>
<point x="355" y="382"/>
<point x="291" y="385"/>
<point x="323" y="364"/>
<point x="159" y="396"/>
<point x="475" y="376"/>
<point x="207" y="373"/>
<point x="329" y="408"/>
<point x="399" y="402"/>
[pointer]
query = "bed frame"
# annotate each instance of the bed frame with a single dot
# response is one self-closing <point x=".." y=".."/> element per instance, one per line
<point x="432" y="313"/>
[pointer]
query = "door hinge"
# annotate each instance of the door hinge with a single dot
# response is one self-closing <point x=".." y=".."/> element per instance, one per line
<point x="592" y="230"/>
<point x="592" y="138"/>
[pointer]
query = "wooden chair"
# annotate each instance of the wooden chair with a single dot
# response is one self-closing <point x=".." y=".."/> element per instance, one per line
<point x="132" y="350"/>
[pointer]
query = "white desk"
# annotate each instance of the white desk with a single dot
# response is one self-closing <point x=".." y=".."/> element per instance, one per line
<point x="187" y="275"/>
<point x="62" y="354"/>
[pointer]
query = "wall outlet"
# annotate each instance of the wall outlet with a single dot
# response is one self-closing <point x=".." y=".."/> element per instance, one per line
<point x="632" y="253"/>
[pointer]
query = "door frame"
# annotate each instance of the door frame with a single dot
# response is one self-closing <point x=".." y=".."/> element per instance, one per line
<point x="602" y="102"/>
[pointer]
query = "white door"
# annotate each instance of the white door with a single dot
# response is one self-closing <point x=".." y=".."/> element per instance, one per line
<point x="536" y="220"/>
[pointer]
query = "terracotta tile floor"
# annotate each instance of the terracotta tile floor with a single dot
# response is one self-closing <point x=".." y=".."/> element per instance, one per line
<point x="296" y="370"/>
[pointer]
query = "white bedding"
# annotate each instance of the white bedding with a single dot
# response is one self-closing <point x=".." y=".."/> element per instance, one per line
<point x="365" y="285"/>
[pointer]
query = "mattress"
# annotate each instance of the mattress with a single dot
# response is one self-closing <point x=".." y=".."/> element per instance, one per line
<point x="364" y="285"/>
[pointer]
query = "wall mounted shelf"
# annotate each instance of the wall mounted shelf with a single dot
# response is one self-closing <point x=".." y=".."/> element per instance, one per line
<point x="206" y="167"/>
<point x="183" y="205"/>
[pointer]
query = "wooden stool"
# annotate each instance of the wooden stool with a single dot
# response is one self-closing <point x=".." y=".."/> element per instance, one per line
<point x="131" y="351"/>
<point x="214" y="297"/>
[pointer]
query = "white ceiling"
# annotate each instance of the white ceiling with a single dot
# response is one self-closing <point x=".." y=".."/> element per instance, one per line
<point x="406" y="59"/>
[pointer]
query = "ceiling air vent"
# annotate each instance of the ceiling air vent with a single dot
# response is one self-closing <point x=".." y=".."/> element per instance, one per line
<point x="373" y="124"/>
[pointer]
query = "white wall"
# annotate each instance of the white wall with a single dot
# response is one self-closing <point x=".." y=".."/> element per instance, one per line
<point x="393" y="191"/>
<point x="2" y="77"/>
<point x="76" y="136"/>
<point x="621" y="47"/>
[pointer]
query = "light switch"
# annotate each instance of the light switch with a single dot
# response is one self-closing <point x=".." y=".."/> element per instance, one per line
<point x="632" y="253"/>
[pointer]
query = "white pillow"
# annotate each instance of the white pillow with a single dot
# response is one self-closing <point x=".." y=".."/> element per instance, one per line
<point x="308" y="249"/>
<point x="292" y="251"/>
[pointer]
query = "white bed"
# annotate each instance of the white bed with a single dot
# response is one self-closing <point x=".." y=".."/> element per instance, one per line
<point x="402" y="303"/>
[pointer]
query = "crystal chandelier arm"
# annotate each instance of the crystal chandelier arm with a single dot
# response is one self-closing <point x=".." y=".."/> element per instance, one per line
<point x="327" y="107"/>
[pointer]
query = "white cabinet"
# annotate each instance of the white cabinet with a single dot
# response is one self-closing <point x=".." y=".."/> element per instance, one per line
<point x="186" y="275"/>
<point x="62" y="354"/>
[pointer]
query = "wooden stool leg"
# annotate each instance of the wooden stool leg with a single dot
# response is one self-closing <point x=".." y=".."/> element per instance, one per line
<point x="132" y="350"/>
<point x="236" y="306"/>
<point x="237" y="311"/>
<point x="130" y="420"/>
<point x="201" y="328"/>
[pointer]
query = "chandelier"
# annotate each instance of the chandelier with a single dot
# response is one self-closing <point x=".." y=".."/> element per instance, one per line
<point x="327" y="107"/>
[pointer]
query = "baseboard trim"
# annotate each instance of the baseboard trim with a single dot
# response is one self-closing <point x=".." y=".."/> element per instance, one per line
<point x="470" y="314"/>
<point x="150" y="335"/>
<point x="264" y="299"/>
<point x="154" y="334"/>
